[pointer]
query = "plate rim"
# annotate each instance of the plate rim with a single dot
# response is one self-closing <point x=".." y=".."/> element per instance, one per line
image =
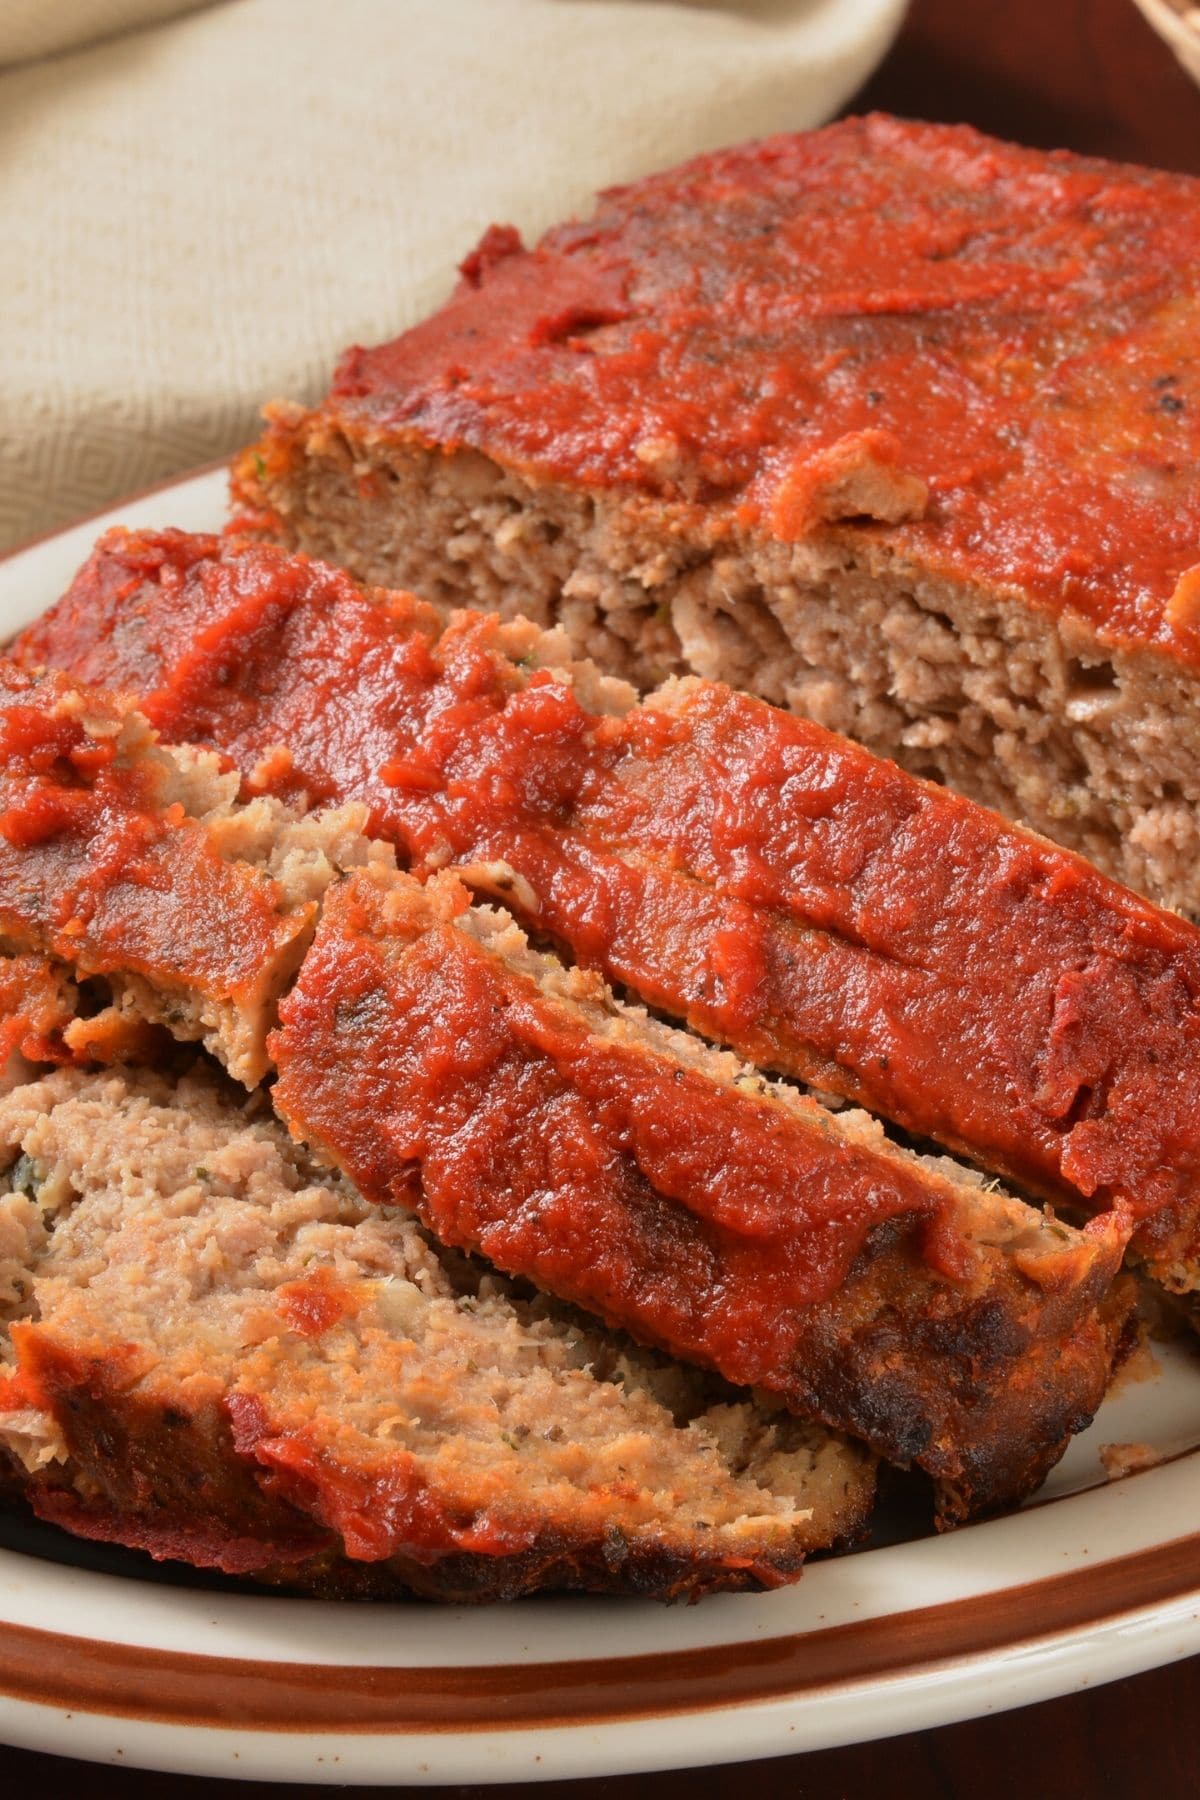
<point x="181" y="1688"/>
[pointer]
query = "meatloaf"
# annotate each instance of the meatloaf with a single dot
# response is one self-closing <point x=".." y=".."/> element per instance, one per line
<point x="527" y="1115"/>
<point x="135" y="867"/>
<point x="214" y="1353"/>
<point x="967" y="1332"/>
<point x="746" y="871"/>
<point x="889" y="423"/>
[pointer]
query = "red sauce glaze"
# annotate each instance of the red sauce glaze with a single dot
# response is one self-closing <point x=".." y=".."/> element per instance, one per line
<point x="216" y="644"/>
<point x="313" y="1304"/>
<point x="380" y="1511"/>
<point x="98" y="869"/>
<point x="745" y="870"/>
<point x="1021" y="327"/>
<point x="701" y="1216"/>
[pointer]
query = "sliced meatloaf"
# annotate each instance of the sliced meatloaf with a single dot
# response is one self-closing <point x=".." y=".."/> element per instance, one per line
<point x="214" y="1353"/>
<point x="787" y="1247"/>
<point x="134" y="864"/>
<point x="768" y="883"/>
<point x="892" y="424"/>
<point x="526" y="1115"/>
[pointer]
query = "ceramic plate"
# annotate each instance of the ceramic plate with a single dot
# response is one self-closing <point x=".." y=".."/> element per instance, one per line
<point x="101" y="1657"/>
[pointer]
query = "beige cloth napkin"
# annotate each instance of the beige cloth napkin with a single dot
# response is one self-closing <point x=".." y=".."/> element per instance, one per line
<point x="30" y="28"/>
<point x="200" y="215"/>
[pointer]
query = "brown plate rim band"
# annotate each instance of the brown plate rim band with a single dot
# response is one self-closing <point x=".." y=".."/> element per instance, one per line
<point x="81" y="1675"/>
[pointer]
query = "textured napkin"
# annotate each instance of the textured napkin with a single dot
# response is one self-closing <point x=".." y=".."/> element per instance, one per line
<point x="201" y="214"/>
<point x="30" y="28"/>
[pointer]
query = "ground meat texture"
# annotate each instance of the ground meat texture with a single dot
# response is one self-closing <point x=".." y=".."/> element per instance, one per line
<point x="134" y="865"/>
<point x="215" y="1353"/>
<point x="527" y="1115"/>
<point x="768" y="883"/>
<point x="889" y="423"/>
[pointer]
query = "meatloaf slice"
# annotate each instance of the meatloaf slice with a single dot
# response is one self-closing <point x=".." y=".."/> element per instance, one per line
<point x="134" y="864"/>
<point x="214" y="1353"/>
<point x="892" y="424"/>
<point x="528" y="1116"/>
<point x="748" y="872"/>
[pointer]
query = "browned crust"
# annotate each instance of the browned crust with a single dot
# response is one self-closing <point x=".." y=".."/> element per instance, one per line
<point x="984" y="1391"/>
<point x="160" y="1474"/>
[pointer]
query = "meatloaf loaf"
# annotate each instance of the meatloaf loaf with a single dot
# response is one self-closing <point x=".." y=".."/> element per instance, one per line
<point x="962" y="1330"/>
<point x="525" y="1114"/>
<point x="889" y="423"/>
<point x="746" y="871"/>
<point x="212" y="1352"/>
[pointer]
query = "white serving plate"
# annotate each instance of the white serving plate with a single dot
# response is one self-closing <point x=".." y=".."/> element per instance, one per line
<point x="1092" y="1581"/>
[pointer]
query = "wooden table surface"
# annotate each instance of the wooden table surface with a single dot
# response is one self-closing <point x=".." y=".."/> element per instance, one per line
<point x="1088" y="75"/>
